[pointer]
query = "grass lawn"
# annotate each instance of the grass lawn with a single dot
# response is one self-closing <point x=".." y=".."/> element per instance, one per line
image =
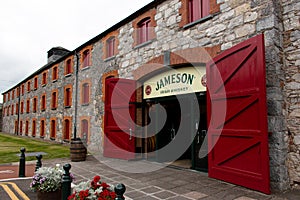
<point x="10" y="148"/>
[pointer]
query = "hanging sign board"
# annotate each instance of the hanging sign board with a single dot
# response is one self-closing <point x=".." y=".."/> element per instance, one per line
<point x="175" y="82"/>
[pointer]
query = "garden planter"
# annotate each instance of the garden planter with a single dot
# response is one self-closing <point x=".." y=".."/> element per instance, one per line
<point x="49" y="195"/>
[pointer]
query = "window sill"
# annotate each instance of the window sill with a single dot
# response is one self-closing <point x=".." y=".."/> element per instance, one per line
<point x="53" y="108"/>
<point x="109" y="58"/>
<point x="66" y="107"/>
<point x="35" y="89"/>
<point x="52" y="138"/>
<point x="42" y="137"/>
<point x="201" y="20"/>
<point x="68" y="75"/>
<point x="53" y="81"/>
<point x="43" y="109"/>
<point x="143" y="44"/>
<point x="85" y="104"/>
<point x="43" y="85"/>
<point x="85" y="68"/>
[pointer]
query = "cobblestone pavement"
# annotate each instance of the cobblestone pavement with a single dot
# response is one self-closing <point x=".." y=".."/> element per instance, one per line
<point x="165" y="183"/>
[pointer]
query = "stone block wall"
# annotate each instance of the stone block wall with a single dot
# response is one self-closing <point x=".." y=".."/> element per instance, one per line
<point x="291" y="84"/>
<point x="230" y="22"/>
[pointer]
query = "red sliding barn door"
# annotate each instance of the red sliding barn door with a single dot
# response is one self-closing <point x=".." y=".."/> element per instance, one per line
<point x="119" y="122"/>
<point x="238" y="142"/>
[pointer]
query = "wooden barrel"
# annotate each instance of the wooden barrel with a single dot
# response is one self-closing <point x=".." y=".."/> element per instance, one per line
<point x="77" y="151"/>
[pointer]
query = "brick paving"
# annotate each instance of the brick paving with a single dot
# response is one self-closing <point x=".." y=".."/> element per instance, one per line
<point x="165" y="183"/>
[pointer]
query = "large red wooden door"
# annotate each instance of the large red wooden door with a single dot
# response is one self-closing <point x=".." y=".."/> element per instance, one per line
<point x="119" y="122"/>
<point x="238" y="138"/>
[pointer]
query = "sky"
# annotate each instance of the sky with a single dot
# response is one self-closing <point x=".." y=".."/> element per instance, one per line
<point x="28" y="29"/>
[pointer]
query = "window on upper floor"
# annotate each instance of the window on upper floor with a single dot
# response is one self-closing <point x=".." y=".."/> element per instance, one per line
<point x="12" y="110"/>
<point x="68" y="96"/>
<point x="13" y="94"/>
<point x="198" y="9"/>
<point x="143" y="32"/>
<point x="85" y="61"/>
<point x="22" y="107"/>
<point x="34" y="107"/>
<point x="4" y="98"/>
<point x="35" y="83"/>
<point x="43" y="102"/>
<point x="17" y="108"/>
<point x="28" y="86"/>
<point x="22" y="89"/>
<point x="69" y="66"/>
<point x="85" y="93"/>
<point x="8" y="96"/>
<point x="54" y="98"/>
<point x="110" y="47"/>
<point x="44" y="78"/>
<point x="27" y="105"/>
<point x="18" y="92"/>
<point x="55" y="73"/>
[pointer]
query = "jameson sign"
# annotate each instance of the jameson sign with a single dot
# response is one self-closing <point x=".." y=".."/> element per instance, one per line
<point x="175" y="82"/>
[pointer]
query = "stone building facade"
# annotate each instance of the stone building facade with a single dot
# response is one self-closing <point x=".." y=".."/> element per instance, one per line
<point x="170" y="35"/>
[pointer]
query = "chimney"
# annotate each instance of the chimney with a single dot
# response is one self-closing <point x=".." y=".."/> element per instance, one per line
<point x="56" y="52"/>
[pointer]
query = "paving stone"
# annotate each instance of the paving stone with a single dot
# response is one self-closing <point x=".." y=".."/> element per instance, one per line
<point x="135" y="194"/>
<point x="195" y="195"/>
<point x="151" y="189"/>
<point x="165" y="194"/>
<point x="244" y="198"/>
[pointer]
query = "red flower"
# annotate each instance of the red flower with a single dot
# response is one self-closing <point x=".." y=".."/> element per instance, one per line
<point x="96" y="179"/>
<point x="104" y="185"/>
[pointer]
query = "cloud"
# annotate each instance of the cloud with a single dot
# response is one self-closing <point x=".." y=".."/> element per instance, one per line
<point x="28" y="29"/>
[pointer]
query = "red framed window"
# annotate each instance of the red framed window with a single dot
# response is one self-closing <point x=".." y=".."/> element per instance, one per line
<point x="85" y="93"/>
<point x="13" y="95"/>
<point x="68" y="67"/>
<point x="43" y="102"/>
<point x="34" y="109"/>
<point x="8" y="109"/>
<point x="54" y="99"/>
<point x="28" y="86"/>
<point x="27" y="105"/>
<point x="22" y="89"/>
<point x="4" y="98"/>
<point x="33" y="133"/>
<point x="12" y="110"/>
<point x="85" y="129"/>
<point x="110" y="46"/>
<point x="17" y="108"/>
<point x="86" y="58"/>
<point x="35" y="83"/>
<point x="67" y="128"/>
<point x="8" y="96"/>
<point x="22" y="107"/>
<point x="43" y="128"/>
<point x="54" y="73"/>
<point x="198" y="9"/>
<point x="18" y="92"/>
<point x="21" y="127"/>
<point x="68" y="96"/>
<point x="52" y="128"/>
<point x="26" y="127"/>
<point x="44" y="78"/>
<point x="16" y="126"/>
<point x="144" y="30"/>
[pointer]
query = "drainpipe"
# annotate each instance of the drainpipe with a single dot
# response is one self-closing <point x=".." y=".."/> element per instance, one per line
<point x="76" y="95"/>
